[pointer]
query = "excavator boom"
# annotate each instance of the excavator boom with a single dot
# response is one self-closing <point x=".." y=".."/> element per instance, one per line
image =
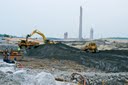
<point x="26" y="43"/>
<point x="38" y="32"/>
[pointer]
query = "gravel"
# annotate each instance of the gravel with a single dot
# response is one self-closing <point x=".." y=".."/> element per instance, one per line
<point x="109" y="61"/>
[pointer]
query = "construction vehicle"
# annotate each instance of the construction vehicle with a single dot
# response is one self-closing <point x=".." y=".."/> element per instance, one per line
<point x="90" y="47"/>
<point x="12" y="56"/>
<point x="45" y="40"/>
<point x="28" y="44"/>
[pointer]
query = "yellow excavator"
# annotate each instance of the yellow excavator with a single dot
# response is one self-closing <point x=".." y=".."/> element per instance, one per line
<point x="45" y="40"/>
<point x="28" y="44"/>
<point x="90" y="47"/>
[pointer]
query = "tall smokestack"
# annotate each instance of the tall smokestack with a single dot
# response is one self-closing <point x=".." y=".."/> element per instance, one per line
<point x="66" y="35"/>
<point x="91" y="33"/>
<point x="80" y="24"/>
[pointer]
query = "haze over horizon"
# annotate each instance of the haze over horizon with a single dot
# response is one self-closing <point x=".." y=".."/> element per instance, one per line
<point x="54" y="17"/>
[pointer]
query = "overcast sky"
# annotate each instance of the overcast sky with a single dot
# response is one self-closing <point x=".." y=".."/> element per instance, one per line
<point x="109" y="18"/>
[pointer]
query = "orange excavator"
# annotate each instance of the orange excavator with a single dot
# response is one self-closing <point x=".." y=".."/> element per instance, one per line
<point x="11" y="56"/>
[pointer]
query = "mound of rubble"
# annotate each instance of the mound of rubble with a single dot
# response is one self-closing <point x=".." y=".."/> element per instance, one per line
<point x="10" y="75"/>
<point x="92" y="78"/>
<point x="106" y="61"/>
<point x="58" y="51"/>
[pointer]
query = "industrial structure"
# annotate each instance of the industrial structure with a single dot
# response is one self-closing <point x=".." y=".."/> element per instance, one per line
<point x="80" y="24"/>
<point x="91" y="34"/>
<point x="66" y="35"/>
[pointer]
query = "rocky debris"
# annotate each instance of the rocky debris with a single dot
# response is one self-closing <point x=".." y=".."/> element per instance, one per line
<point x="104" y="60"/>
<point x="107" y="79"/>
<point x="24" y="76"/>
<point x="2" y="74"/>
<point x="44" y="79"/>
<point x="5" y="80"/>
<point x="7" y="68"/>
<point x="98" y="78"/>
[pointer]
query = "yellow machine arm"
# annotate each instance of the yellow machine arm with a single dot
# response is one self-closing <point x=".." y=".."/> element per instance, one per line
<point x="38" y="32"/>
<point x="43" y="36"/>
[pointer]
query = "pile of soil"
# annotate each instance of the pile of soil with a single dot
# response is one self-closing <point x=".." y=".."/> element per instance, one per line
<point x="57" y="51"/>
<point x="109" y="61"/>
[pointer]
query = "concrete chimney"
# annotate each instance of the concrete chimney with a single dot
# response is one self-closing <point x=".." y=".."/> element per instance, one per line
<point x="80" y="24"/>
<point x="65" y="35"/>
<point x="91" y="33"/>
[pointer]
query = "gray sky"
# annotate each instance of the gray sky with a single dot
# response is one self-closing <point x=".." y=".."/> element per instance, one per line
<point x="109" y="18"/>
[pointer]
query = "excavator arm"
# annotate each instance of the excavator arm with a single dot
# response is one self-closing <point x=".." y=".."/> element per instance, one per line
<point x="38" y="32"/>
<point x="28" y="44"/>
<point x="41" y="34"/>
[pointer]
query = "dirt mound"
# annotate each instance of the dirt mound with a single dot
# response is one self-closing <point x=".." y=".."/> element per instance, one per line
<point x="106" y="61"/>
<point x="58" y="51"/>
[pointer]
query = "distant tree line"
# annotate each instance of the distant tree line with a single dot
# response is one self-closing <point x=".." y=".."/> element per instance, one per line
<point x="6" y="35"/>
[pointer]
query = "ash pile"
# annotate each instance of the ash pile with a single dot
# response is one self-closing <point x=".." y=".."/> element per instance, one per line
<point x="105" y="61"/>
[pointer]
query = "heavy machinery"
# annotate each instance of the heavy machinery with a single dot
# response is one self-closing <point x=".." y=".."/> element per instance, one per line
<point x="45" y="40"/>
<point x="28" y="44"/>
<point x="12" y="56"/>
<point x="90" y="47"/>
